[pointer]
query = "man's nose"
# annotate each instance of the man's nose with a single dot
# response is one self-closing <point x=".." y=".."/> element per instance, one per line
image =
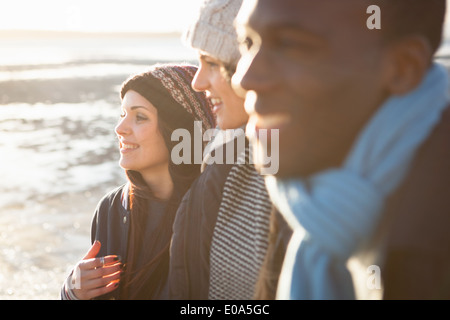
<point x="252" y="74"/>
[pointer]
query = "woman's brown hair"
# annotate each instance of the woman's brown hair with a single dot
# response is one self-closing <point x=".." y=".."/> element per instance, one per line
<point x="147" y="281"/>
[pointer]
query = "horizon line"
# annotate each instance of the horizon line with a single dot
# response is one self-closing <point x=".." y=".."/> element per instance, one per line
<point x="13" y="33"/>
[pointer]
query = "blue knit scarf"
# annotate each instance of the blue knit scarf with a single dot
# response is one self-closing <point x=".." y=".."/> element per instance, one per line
<point x="336" y="210"/>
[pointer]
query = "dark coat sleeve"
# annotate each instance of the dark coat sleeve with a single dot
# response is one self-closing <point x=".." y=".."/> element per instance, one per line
<point x="104" y="216"/>
<point x="109" y="226"/>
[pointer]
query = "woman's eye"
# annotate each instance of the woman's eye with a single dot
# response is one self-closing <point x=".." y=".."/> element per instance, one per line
<point x="212" y="64"/>
<point x="141" y="117"/>
<point x="122" y="115"/>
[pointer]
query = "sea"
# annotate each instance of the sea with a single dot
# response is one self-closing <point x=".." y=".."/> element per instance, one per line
<point x="59" y="103"/>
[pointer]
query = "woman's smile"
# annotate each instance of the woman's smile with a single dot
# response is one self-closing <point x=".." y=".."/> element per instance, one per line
<point x="126" y="147"/>
<point x="217" y="104"/>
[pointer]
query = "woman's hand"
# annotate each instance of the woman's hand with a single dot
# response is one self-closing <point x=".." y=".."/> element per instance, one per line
<point x="93" y="277"/>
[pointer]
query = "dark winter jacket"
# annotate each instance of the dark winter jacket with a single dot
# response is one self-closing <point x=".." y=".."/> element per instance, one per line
<point x="220" y="233"/>
<point x="415" y="259"/>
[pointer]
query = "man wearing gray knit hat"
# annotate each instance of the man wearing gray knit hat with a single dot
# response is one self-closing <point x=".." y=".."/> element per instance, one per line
<point x="221" y="229"/>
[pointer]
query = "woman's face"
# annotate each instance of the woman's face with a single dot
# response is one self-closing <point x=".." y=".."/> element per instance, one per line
<point x="227" y="105"/>
<point x="142" y="147"/>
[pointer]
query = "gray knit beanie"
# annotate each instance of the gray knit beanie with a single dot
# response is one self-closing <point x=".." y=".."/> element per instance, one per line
<point x="213" y="30"/>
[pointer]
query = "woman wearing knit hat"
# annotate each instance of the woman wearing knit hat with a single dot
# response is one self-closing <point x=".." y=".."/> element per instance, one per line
<point x="221" y="228"/>
<point x="132" y="225"/>
<point x="215" y="39"/>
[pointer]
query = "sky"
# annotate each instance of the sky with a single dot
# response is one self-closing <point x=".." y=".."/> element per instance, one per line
<point x="97" y="15"/>
<point x="102" y="15"/>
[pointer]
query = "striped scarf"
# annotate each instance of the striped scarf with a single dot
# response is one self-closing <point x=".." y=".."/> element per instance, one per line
<point x="240" y="237"/>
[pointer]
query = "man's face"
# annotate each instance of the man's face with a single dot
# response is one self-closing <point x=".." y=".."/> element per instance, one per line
<point x="315" y="72"/>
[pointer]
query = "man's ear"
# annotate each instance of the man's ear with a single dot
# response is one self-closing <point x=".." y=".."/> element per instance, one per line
<point x="410" y="58"/>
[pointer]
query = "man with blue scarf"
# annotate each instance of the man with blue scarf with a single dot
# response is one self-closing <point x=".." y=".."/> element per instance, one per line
<point x="364" y="143"/>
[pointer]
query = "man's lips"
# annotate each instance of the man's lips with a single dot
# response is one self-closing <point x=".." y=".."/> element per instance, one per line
<point x="274" y="120"/>
<point x="268" y="122"/>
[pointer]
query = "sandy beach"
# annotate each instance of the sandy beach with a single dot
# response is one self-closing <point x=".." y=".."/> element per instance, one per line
<point x="57" y="161"/>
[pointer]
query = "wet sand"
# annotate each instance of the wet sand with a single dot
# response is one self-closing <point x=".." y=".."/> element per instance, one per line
<point x="40" y="242"/>
<point x="54" y="171"/>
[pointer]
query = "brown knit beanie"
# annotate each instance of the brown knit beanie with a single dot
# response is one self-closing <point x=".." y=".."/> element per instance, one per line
<point x="213" y="30"/>
<point x="168" y="88"/>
